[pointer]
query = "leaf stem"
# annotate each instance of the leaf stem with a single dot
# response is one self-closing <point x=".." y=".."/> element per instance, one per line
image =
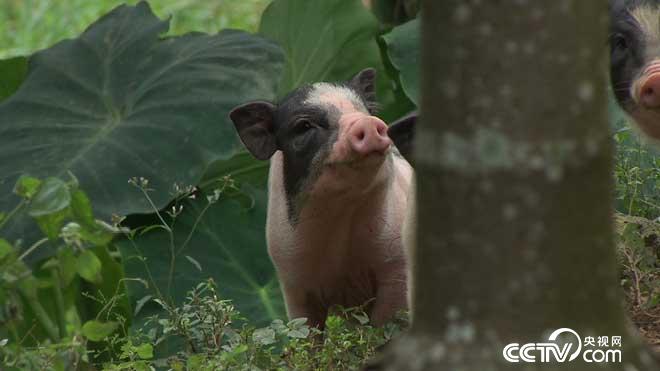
<point x="12" y="213"/>
<point x="146" y="268"/>
<point x="32" y="248"/>
<point x="41" y="314"/>
<point x="194" y="227"/>
<point x="170" y="232"/>
<point x="59" y="301"/>
<point x="170" y="276"/>
<point x="156" y="210"/>
<point x="14" y="332"/>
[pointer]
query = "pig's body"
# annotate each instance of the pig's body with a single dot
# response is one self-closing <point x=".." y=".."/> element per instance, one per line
<point x="346" y="248"/>
<point x="338" y="196"/>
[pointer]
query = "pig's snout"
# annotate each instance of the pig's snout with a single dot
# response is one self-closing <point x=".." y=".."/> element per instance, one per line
<point x="648" y="93"/>
<point x="369" y="135"/>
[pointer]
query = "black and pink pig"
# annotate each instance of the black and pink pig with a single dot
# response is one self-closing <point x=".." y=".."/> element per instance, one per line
<point x="339" y="191"/>
<point x="635" y="61"/>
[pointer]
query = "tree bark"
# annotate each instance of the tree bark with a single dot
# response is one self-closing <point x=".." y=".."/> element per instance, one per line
<point x="513" y="160"/>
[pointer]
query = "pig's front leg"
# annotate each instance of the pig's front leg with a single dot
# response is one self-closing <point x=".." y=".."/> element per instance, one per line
<point x="390" y="298"/>
<point x="300" y="303"/>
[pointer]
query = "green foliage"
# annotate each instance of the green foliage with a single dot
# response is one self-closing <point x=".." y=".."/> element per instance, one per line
<point x="27" y="186"/>
<point x="328" y="40"/>
<point x="637" y="174"/>
<point x="118" y="87"/>
<point x="404" y="53"/>
<point x="395" y="12"/>
<point x="636" y="168"/>
<point x="96" y="330"/>
<point x="638" y="247"/>
<point x="215" y="338"/>
<point x="43" y="319"/>
<point x="52" y="197"/>
<point x="88" y="266"/>
<point x="216" y="231"/>
<point x="29" y="25"/>
<point x="68" y="354"/>
<point x="323" y="41"/>
<point x="15" y="69"/>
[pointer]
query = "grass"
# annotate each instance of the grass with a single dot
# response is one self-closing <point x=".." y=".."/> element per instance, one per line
<point x="30" y="25"/>
<point x="636" y="169"/>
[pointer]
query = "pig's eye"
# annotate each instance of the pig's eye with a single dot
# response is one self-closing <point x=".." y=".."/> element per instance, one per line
<point x="303" y="126"/>
<point x="619" y="44"/>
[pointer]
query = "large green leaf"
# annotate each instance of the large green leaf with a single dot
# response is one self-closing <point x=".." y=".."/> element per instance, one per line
<point x="228" y="245"/>
<point x="326" y="40"/>
<point x="403" y="45"/>
<point x="119" y="102"/>
<point x="242" y="167"/>
<point x="12" y="73"/>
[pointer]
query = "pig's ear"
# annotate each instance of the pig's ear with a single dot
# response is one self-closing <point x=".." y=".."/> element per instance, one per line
<point x="254" y="124"/>
<point x="402" y="133"/>
<point x="365" y="83"/>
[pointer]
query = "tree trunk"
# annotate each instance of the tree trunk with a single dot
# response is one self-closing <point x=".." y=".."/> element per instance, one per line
<point x="513" y="160"/>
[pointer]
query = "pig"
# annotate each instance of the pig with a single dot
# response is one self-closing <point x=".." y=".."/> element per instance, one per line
<point x="635" y="61"/>
<point x="339" y="191"/>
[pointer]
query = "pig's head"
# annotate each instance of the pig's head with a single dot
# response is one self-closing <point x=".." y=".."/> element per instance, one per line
<point x="329" y="141"/>
<point x="635" y="60"/>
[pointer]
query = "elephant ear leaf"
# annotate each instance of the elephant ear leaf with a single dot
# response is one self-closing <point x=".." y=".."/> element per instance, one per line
<point x="12" y="73"/>
<point x="403" y="49"/>
<point x="227" y="243"/>
<point x="327" y="40"/>
<point x="119" y="102"/>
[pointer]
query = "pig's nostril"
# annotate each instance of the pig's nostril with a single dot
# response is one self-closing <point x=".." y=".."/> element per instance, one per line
<point x="648" y="92"/>
<point x="369" y="136"/>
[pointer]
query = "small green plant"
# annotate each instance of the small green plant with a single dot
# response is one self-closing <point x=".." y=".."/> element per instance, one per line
<point x="166" y="220"/>
<point x="44" y="321"/>
<point x="216" y="337"/>
<point x="68" y="354"/>
<point x="638" y="251"/>
<point x="637" y="175"/>
<point x="638" y="242"/>
<point x="88" y="323"/>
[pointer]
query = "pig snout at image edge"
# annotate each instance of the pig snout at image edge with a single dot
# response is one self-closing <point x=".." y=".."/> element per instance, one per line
<point x="340" y="190"/>
<point x="635" y="62"/>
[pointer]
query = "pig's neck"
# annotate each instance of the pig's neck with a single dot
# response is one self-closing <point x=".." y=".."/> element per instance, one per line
<point x="339" y="216"/>
<point x="332" y="209"/>
<point x="346" y="229"/>
<point x="345" y="193"/>
<point x="373" y="210"/>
